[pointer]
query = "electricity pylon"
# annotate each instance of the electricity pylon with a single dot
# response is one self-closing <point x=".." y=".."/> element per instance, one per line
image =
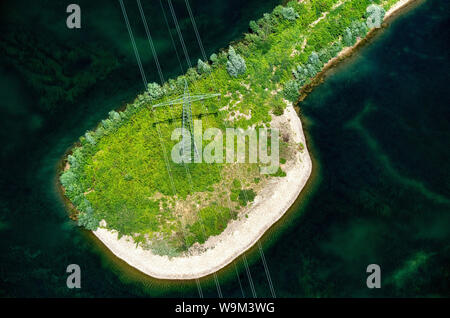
<point x="188" y="147"/>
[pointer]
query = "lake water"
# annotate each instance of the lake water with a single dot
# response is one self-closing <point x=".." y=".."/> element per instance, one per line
<point x="377" y="128"/>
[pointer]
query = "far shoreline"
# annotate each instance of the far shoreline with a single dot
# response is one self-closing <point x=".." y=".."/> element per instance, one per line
<point x="111" y="242"/>
<point x="397" y="9"/>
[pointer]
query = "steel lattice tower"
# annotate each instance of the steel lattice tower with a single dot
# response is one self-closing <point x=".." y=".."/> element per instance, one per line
<point x="188" y="147"/>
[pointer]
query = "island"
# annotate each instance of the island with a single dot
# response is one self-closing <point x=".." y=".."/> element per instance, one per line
<point x="161" y="182"/>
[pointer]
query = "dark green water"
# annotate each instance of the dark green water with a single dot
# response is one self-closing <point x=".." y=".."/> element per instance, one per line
<point x="378" y="129"/>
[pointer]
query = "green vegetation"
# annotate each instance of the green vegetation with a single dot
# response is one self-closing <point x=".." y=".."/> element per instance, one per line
<point x="212" y="220"/>
<point x="289" y="13"/>
<point x="120" y="173"/>
<point x="246" y="196"/>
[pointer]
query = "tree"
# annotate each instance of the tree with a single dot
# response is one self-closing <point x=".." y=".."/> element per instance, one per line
<point x="348" y="38"/>
<point x="358" y="29"/>
<point x="89" y="138"/>
<point x="254" y="26"/>
<point x="301" y="73"/>
<point x="235" y="64"/>
<point x="191" y="75"/>
<point x="252" y="37"/>
<point x="88" y="220"/>
<point x="325" y="55"/>
<point x="154" y="90"/>
<point x="67" y="178"/>
<point x="113" y="115"/>
<point x="246" y="196"/>
<point x="289" y="13"/>
<point x="312" y="71"/>
<point x="213" y="58"/>
<point x="376" y="16"/>
<point x="73" y="162"/>
<point x="336" y="48"/>
<point x="107" y="124"/>
<point x="361" y="28"/>
<point x="314" y="61"/>
<point x="202" y="67"/>
<point x="180" y="82"/>
<point x="99" y="132"/>
<point x="172" y="84"/>
<point x="290" y="90"/>
<point x="268" y="20"/>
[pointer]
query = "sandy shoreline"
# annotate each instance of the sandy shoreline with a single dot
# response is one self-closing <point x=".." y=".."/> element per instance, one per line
<point x="240" y="235"/>
<point x="398" y="5"/>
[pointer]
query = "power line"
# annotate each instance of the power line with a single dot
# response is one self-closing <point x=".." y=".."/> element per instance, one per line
<point x="147" y="31"/>
<point x="157" y="127"/>
<point x="188" y="60"/>
<point x="184" y="113"/>
<point x="200" y="43"/>
<point x="130" y="33"/>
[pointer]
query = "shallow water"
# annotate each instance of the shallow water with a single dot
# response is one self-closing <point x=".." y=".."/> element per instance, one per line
<point x="378" y="129"/>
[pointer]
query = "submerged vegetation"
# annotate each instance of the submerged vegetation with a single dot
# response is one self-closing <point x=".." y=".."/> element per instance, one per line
<point x="120" y="172"/>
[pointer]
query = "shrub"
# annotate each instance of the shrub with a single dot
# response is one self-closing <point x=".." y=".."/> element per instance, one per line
<point x="246" y="196"/>
<point x="89" y="138"/>
<point x="202" y="67"/>
<point x="161" y="247"/>
<point x="359" y="28"/>
<point x="290" y="90"/>
<point x="315" y="62"/>
<point x="279" y="173"/>
<point x="113" y="115"/>
<point x="213" y="58"/>
<point x="278" y="110"/>
<point x="88" y="220"/>
<point x="348" y="39"/>
<point x="254" y="27"/>
<point x="191" y="75"/>
<point x="154" y="90"/>
<point x="67" y="178"/>
<point x="212" y="221"/>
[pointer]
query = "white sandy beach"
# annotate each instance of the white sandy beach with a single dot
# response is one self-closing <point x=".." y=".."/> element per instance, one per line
<point x="398" y="5"/>
<point x="240" y="235"/>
